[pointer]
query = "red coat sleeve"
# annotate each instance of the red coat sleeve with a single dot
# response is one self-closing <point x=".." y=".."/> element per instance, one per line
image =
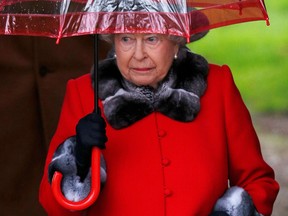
<point x="247" y="168"/>
<point x="71" y="112"/>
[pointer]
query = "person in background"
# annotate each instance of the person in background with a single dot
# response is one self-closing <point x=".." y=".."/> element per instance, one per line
<point x="32" y="88"/>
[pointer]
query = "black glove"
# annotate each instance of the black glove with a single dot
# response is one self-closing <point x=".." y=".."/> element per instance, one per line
<point x="90" y="132"/>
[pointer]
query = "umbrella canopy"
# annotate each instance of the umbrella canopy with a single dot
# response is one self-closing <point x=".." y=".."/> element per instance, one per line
<point x="64" y="18"/>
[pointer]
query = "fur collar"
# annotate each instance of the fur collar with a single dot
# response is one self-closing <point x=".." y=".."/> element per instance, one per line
<point x="177" y="96"/>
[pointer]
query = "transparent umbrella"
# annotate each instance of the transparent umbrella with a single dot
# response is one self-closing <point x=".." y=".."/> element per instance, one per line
<point x="64" y="18"/>
<point x="67" y="18"/>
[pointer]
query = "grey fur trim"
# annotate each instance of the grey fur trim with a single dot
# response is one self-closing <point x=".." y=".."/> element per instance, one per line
<point x="177" y="96"/>
<point x="236" y="202"/>
<point x="64" y="161"/>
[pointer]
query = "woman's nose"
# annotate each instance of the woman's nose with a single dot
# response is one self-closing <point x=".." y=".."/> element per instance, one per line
<point x="139" y="52"/>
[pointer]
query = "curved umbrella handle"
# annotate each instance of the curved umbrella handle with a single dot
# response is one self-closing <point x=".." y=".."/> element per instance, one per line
<point x="95" y="186"/>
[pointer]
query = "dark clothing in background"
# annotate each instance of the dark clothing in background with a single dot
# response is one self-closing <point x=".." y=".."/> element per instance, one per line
<point x="33" y="76"/>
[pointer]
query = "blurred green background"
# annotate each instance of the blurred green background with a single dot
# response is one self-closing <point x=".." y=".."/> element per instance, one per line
<point x="257" y="56"/>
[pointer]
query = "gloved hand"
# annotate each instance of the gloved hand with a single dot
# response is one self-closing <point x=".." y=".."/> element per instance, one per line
<point x="90" y="132"/>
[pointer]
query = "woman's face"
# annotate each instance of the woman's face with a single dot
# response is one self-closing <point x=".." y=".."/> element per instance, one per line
<point x="144" y="59"/>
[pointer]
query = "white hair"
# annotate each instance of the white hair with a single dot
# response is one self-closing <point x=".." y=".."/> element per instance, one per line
<point x="177" y="39"/>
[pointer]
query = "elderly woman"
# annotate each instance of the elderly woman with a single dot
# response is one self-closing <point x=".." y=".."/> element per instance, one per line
<point x="180" y="139"/>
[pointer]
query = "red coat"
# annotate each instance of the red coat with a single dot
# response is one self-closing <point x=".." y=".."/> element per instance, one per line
<point x="159" y="166"/>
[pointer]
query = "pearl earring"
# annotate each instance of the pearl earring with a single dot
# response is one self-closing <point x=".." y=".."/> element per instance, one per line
<point x="115" y="56"/>
<point x="175" y="56"/>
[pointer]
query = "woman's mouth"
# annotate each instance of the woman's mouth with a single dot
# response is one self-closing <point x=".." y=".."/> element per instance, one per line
<point x="142" y="69"/>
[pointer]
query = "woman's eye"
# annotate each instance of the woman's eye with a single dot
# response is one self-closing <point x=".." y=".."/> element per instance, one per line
<point x="152" y="40"/>
<point x="125" y="42"/>
<point x="126" y="39"/>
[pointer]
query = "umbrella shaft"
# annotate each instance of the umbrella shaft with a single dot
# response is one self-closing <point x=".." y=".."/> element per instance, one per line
<point x="95" y="74"/>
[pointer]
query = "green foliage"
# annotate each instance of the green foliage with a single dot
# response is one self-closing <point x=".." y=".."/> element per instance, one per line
<point x="257" y="55"/>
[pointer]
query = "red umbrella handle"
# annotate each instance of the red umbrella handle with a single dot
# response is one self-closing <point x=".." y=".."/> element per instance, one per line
<point x="95" y="186"/>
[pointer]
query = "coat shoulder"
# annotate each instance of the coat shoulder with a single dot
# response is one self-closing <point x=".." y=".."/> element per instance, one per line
<point x="219" y="74"/>
<point x="83" y="79"/>
<point x="81" y="84"/>
<point x="216" y="70"/>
